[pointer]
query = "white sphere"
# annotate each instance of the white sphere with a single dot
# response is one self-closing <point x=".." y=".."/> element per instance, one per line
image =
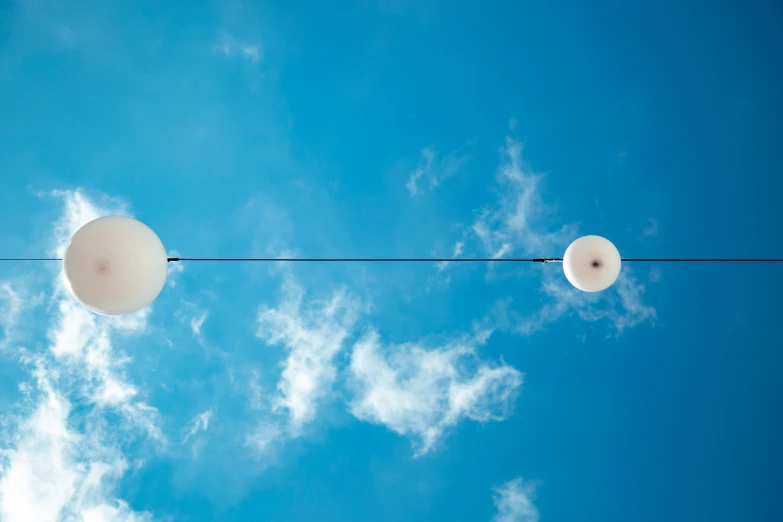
<point x="115" y="265"/>
<point x="591" y="263"/>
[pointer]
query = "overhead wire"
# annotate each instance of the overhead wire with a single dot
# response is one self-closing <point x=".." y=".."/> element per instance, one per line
<point x="430" y="259"/>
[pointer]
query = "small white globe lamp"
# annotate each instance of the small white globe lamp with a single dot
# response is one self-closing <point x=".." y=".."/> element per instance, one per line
<point x="115" y="265"/>
<point x="591" y="263"/>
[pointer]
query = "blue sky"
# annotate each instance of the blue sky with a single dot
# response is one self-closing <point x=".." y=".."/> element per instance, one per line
<point x="397" y="392"/>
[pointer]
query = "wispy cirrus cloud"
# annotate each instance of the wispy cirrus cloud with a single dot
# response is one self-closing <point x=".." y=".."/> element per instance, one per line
<point x="231" y="46"/>
<point x="432" y="170"/>
<point x="194" y="316"/>
<point x="199" y="423"/>
<point x="313" y="332"/>
<point x="10" y="309"/>
<point x="174" y="269"/>
<point x="651" y="230"/>
<point x="514" y="502"/>
<point x="519" y="222"/>
<point x="197" y="323"/>
<point x="623" y="307"/>
<point x="420" y="391"/>
<point x="457" y="250"/>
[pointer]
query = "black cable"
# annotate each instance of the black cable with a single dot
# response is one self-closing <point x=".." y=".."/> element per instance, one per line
<point x="702" y="260"/>
<point x="431" y="259"/>
<point x="372" y="259"/>
<point x="466" y="259"/>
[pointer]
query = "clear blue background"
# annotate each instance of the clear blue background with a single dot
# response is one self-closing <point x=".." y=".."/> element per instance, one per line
<point x="634" y="110"/>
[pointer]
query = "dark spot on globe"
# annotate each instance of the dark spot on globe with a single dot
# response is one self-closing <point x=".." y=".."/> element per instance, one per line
<point x="102" y="267"/>
<point x="596" y="263"/>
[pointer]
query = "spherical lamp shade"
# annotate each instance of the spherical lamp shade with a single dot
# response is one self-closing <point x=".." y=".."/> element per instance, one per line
<point x="115" y="265"/>
<point x="591" y="263"/>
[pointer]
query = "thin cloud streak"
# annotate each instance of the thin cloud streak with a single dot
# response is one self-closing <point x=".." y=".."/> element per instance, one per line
<point x="432" y="171"/>
<point x="230" y="46"/>
<point x="516" y="224"/>
<point x="199" y="423"/>
<point x="11" y="308"/>
<point x="623" y="307"/>
<point x="197" y="322"/>
<point x="652" y="228"/>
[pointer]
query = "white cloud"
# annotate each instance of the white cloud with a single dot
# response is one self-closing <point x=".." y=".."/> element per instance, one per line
<point x="456" y="251"/>
<point x="78" y="211"/>
<point x="420" y="392"/>
<point x="264" y="437"/>
<point x="514" y="502"/>
<point x="516" y="224"/>
<point x="10" y="308"/>
<point x="83" y="340"/>
<point x="174" y="269"/>
<point x="433" y="170"/>
<point x="425" y="164"/>
<point x="199" y="423"/>
<point x="59" y="469"/>
<point x="39" y="477"/>
<point x="631" y="310"/>
<point x="52" y="473"/>
<point x="197" y="322"/>
<point x="622" y="306"/>
<point x="652" y="228"/>
<point x="519" y="223"/>
<point x="231" y="46"/>
<point x="313" y="334"/>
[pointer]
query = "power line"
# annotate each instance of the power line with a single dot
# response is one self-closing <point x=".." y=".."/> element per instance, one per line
<point x="464" y="259"/>
<point x="372" y="259"/>
<point x="700" y="260"/>
<point x="429" y="259"/>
